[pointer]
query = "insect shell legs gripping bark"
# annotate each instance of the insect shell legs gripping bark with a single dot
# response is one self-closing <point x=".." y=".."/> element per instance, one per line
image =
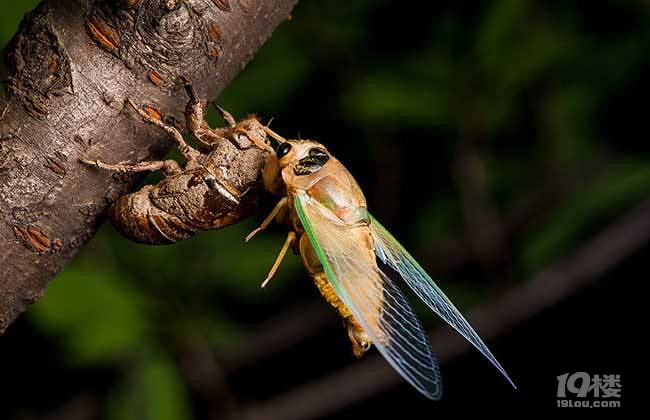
<point x="192" y="197"/>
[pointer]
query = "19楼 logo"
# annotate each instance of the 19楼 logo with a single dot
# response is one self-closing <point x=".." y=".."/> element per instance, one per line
<point x="604" y="390"/>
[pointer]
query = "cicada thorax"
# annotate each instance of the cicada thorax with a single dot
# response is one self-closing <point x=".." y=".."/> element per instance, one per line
<point x="178" y="207"/>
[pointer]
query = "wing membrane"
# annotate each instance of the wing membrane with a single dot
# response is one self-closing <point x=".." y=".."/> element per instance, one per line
<point x="393" y="254"/>
<point x="371" y="296"/>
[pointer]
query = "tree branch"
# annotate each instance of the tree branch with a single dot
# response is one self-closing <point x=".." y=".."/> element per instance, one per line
<point x="66" y="76"/>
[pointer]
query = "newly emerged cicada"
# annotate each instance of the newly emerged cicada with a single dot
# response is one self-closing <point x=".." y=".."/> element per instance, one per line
<point x="353" y="260"/>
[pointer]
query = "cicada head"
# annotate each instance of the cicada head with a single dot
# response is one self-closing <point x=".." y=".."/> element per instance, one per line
<point x="292" y="159"/>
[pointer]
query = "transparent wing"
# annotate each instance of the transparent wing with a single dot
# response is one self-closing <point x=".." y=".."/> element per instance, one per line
<point x="394" y="255"/>
<point x="373" y="299"/>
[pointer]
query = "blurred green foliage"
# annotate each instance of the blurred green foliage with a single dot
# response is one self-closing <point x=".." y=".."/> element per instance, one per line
<point x="542" y="90"/>
<point x="624" y="184"/>
<point x="100" y="315"/>
<point x="153" y="390"/>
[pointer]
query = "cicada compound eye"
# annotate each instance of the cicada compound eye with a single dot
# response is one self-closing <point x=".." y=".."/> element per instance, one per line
<point x="283" y="149"/>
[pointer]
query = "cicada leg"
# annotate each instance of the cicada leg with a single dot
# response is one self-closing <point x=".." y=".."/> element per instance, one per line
<point x="169" y="167"/>
<point x="290" y="241"/>
<point x="291" y="237"/>
<point x="197" y="125"/>
<point x="281" y="205"/>
<point x="189" y="153"/>
<point x="233" y="129"/>
<point x="211" y="137"/>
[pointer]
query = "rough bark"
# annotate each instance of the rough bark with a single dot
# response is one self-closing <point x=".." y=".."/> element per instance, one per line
<point x="66" y="76"/>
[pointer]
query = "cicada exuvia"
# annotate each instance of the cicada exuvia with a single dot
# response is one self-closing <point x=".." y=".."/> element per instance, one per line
<point x="347" y="251"/>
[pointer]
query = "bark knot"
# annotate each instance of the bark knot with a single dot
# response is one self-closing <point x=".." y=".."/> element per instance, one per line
<point x="154" y="37"/>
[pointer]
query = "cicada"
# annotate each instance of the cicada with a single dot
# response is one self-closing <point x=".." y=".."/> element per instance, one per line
<point x="355" y="261"/>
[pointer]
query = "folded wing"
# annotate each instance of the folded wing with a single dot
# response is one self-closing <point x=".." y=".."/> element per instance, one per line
<point x="372" y="297"/>
<point x="394" y="255"/>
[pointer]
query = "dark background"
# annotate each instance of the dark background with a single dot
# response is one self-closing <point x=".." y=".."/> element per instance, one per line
<point x="496" y="139"/>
